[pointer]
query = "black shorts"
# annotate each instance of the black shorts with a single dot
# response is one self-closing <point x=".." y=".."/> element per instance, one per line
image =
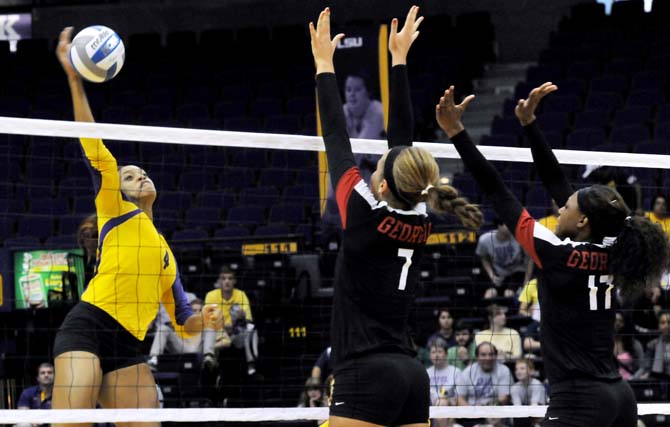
<point x="88" y="328"/>
<point x="385" y="389"/>
<point x="591" y="403"/>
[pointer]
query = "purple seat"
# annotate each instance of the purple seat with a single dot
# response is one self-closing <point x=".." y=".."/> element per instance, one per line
<point x="53" y="207"/>
<point x="216" y="199"/>
<point x="562" y="104"/>
<point x="662" y="131"/>
<point x="62" y="241"/>
<point x="235" y="178"/>
<point x="22" y="242"/>
<point x="266" y="107"/>
<point x="197" y="181"/>
<point x="272" y="230"/>
<point x="177" y="200"/>
<point x="603" y="101"/>
<point x="648" y="80"/>
<point x="632" y="116"/>
<point x="629" y="135"/>
<point x="553" y="122"/>
<point x="591" y="119"/>
<point x="37" y="226"/>
<point x="264" y="196"/>
<point x="500" y="140"/>
<point x="646" y="98"/>
<point x="287" y="213"/>
<point x="229" y="109"/>
<point x="614" y="84"/>
<point x="505" y="126"/>
<point x="242" y="124"/>
<point x="285" y="124"/>
<point x="585" y="139"/>
<point x="207" y="218"/>
<point x="246" y="215"/>
<point x="190" y="234"/>
<point x="278" y="177"/>
<point x="301" y="105"/>
<point x="192" y="111"/>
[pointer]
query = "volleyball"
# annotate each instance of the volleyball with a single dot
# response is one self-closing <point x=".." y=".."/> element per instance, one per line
<point x="97" y="53"/>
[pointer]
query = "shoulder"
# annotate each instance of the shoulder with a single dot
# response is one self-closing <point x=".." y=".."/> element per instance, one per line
<point x="212" y="295"/>
<point x="30" y="391"/>
<point x="375" y="107"/>
<point x="239" y="293"/>
<point x="510" y="331"/>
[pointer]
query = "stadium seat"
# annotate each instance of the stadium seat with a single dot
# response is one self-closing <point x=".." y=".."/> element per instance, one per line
<point x="246" y="215"/>
<point x="591" y="119"/>
<point x="216" y="199"/>
<point x="36" y="226"/>
<point x="585" y="139"/>
<point x="647" y="98"/>
<point x="629" y="135"/>
<point x="287" y="213"/>
<point x="562" y="104"/>
<point x="265" y="196"/>
<point x="53" y="207"/>
<point x="632" y="116"/>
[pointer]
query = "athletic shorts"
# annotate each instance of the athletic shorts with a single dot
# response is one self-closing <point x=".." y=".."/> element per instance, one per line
<point x="588" y="403"/>
<point x="88" y="328"/>
<point x="384" y="388"/>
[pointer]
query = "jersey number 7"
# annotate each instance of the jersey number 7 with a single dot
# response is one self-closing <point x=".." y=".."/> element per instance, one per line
<point x="593" y="296"/>
<point x="407" y="254"/>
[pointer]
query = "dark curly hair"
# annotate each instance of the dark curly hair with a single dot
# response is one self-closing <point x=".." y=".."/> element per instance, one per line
<point x="640" y="253"/>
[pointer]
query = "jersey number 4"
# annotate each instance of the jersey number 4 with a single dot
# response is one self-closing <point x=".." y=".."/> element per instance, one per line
<point x="593" y="295"/>
<point x="407" y="254"/>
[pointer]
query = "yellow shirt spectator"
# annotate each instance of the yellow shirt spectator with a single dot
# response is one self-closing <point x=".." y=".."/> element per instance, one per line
<point x="238" y="297"/>
<point x="530" y="300"/>
<point x="549" y="221"/>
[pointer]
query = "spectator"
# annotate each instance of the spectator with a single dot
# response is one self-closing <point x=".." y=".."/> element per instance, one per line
<point x="503" y="260"/>
<point x="646" y="309"/>
<point x="237" y="317"/>
<point x="38" y="396"/>
<point x="627" y="350"/>
<point x="167" y="340"/>
<point x="323" y="368"/>
<point x="486" y="382"/>
<point x="621" y="179"/>
<point x="442" y="376"/>
<point x="364" y="115"/>
<point x="87" y="238"/>
<point x="658" y="350"/>
<point x="507" y="341"/>
<point x="659" y="212"/>
<point x="461" y="354"/>
<point x="527" y="390"/>
<point x="550" y="221"/>
<point x="313" y="395"/>
<point x="529" y="305"/>
<point x="446" y="331"/>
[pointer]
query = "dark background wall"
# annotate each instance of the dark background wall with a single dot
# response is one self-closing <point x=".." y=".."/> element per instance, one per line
<point x="522" y="26"/>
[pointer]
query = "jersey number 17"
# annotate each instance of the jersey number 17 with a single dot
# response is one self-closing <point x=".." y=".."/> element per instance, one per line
<point x="593" y="295"/>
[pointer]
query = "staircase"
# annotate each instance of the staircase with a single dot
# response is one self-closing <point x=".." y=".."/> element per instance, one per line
<point x="491" y="90"/>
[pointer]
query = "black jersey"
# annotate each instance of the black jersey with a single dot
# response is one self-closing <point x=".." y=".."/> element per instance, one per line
<point x="576" y="300"/>
<point x="377" y="271"/>
<point x="575" y="290"/>
<point x="378" y="264"/>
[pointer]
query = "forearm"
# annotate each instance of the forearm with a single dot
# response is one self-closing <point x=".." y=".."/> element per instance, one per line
<point x="547" y="165"/>
<point x="334" y="127"/>
<point x="82" y="111"/>
<point x="503" y="399"/>
<point x="401" y="119"/>
<point x="488" y="267"/>
<point x="462" y="401"/>
<point x="506" y="206"/>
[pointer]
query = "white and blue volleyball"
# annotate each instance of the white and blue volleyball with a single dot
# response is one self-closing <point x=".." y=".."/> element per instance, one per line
<point x="97" y="53"/>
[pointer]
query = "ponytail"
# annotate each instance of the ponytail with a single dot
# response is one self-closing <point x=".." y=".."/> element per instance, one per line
<point x="639" y="256"/>
<point x="416" y="176"/>
<point x="443" y="198"/>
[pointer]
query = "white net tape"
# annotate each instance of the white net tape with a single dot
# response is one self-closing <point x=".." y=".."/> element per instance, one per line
<point x="264" y="414"/>
<point x="12" y="125"/>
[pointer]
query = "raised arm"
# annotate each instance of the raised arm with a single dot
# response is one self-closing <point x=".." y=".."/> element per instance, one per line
<point x="547" y="165"/>
<point x="401" y="119"/>
<point x="505" y="204"/>
<point x="108" y="199"/>
<point x="333" y="124"/>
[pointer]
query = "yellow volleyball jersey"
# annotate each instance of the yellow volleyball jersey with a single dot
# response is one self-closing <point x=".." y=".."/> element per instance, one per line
<point x="239" y="297"/>
<point x="663" y="222"/>
<point x="136" y="269"/>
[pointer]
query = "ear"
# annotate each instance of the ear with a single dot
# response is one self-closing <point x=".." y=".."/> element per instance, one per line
<point x="583" y="222"/>
<point x="383" y="187"/>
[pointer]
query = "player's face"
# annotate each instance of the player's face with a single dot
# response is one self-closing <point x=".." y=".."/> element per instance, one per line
<point x="45" y="376"/>
<point x="356" y="95"/>
<point x="438" y="356"/>
<point x="226" y="281"/>
<point x="446" y="321"/>
<point x="660" y="206"/>
<point x="521" y="371"/>
<point x="568" y="218"/>
<point x="136" y="184"/>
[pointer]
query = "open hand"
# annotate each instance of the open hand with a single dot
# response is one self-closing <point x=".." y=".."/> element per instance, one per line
<point x="323" y="48"/>
<point x="63" y="52"/>
<point x="525" y="108"/>
<point x="400" y="42"/>
<point x="448" y="114"/>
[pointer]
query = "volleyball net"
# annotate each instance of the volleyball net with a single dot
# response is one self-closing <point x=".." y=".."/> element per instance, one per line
<point x="257" y="203"/>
